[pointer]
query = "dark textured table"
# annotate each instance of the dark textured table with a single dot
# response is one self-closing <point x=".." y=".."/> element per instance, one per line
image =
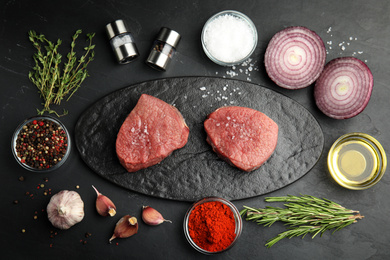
<point x="348" y="28"/>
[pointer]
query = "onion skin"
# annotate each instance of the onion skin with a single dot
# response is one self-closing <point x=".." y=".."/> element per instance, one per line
<point x="295" y="57"/>
<point x="344" y="88"/>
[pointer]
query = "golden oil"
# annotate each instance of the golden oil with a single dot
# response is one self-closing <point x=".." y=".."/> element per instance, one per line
<point x="354" y="162"/>
<point x="357" y="161"/>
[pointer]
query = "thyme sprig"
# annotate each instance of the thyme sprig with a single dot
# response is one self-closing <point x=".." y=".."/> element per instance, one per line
<point x="303" y="215"/>
<point x="53" y="80"/>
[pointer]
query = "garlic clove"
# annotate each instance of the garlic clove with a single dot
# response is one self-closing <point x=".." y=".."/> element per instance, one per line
<point x="104" y="205"/>
<point x="65" y="209"/>
<point x="152" y="217"/>
<point x="125" y="227"/>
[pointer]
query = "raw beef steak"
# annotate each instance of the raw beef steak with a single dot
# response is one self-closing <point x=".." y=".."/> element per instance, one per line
<point x="150" y="133"/>
<point x="242" y="136"/>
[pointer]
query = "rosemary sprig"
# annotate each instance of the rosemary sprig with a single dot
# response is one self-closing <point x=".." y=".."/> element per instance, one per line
<point x="54" y="82"/>
<point x="303" y="215"/>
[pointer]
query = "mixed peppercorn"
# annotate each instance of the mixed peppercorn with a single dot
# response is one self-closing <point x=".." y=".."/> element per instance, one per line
<point x="41" y="144"/>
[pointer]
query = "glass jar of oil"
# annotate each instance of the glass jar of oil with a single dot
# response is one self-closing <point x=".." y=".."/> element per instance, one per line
<point x="357" y="161"/>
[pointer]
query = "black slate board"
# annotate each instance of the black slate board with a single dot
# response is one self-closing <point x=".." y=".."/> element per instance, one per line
<point x="195" y="171"/>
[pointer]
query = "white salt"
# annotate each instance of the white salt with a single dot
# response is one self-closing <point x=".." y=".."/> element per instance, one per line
<point x="229" y="38"/>
<point x="120" y="40"/>
<point x="231" y="73"/>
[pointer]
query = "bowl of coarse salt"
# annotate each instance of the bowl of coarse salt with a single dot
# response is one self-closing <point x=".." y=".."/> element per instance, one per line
<point x="229" y="38"/>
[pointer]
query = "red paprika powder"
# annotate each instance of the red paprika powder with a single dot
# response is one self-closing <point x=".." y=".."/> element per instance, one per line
<point x="212" y="226"/>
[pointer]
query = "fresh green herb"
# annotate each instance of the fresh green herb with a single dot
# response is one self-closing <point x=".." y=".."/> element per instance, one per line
<point x="303" y="215"/>
<point x="53" y="81"/>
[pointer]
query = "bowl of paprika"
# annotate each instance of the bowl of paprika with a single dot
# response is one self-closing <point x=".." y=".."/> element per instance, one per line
<point x="212" y="225"/>
<point x="41" y="144"/>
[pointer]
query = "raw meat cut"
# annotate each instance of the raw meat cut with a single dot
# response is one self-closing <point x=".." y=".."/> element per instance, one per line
<point x="150" y="133"/>
<point x="242" y="136"/>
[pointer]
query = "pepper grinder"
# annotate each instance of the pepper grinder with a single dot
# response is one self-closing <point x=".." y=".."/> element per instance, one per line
<point x="122" y="42"/>
<point x="164" y="48"/>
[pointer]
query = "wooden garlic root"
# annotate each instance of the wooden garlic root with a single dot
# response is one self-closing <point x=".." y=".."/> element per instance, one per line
<point x="65" y="209"/>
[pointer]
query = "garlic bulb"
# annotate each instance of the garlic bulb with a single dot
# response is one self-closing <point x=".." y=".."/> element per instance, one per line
<point x="65" y="209"/>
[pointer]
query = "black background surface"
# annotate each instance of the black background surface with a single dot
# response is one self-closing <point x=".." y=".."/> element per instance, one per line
<point x="348" y="28"/>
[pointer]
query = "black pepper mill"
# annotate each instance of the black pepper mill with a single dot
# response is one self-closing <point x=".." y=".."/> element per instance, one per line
<point x="164" y="48"/>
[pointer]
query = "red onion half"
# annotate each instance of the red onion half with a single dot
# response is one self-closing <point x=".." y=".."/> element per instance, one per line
<point x="295" y="57"/>
<point x="343" y="88"/>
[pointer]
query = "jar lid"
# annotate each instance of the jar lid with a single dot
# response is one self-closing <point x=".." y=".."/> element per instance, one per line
<point x="115" y="28"/>
<point x="169" y="36"/>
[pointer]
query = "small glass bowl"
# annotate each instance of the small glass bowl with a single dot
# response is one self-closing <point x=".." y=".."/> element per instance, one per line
<point x="237" y="218"/>
<point x="235" y="14"/>
<point x="32" y="169"/>
<point x="357" y="161"/>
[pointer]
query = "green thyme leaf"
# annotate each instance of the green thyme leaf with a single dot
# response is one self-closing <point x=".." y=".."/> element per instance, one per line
<point x="53" y="79"/>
